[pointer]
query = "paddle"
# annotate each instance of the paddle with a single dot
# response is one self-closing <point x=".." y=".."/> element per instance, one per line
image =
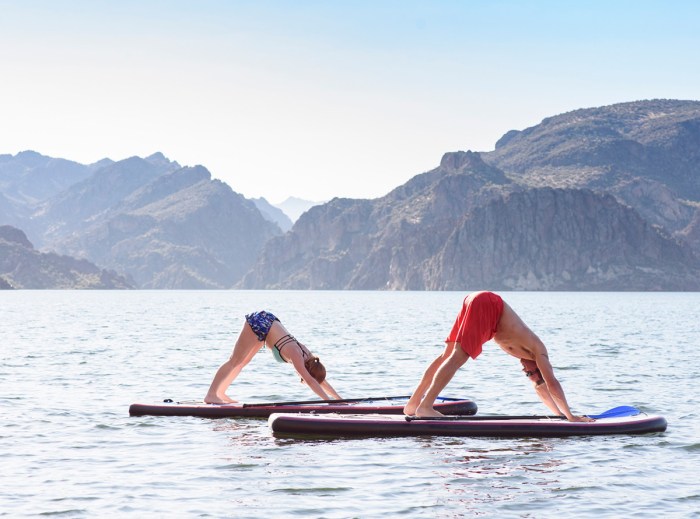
<point x="616" y="412"/>
<point x="341" y="401"/>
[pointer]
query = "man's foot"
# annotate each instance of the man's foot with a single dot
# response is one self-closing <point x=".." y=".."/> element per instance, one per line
<point x="581" y="419"/>
<point x="428" y="412"/>
<point x="219" y="400"/>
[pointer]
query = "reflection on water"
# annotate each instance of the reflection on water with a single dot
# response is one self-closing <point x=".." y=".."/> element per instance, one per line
<point x="515" y="473"/>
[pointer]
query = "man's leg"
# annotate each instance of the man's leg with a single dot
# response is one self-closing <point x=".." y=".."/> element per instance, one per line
<point x="442" y="377"/>
<point x="417" y="396"/>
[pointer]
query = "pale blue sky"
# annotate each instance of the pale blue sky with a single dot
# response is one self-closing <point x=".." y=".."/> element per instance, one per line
<point x="318" y="99"/>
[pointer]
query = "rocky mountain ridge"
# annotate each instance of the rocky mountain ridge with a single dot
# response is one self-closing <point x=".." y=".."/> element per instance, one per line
<point x="605" y="198"/>
<point x="597" y="199"/>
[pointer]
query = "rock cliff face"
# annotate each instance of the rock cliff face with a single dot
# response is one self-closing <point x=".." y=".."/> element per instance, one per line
<point x="382" y="243"/>
<point x="598" y="199"/>
<point x="561" y="239"/>
<point x="23" y="267"/>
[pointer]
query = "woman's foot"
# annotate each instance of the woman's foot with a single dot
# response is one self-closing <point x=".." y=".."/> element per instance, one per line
<point x="219" y="400"/>
<point x="410" y="408"/>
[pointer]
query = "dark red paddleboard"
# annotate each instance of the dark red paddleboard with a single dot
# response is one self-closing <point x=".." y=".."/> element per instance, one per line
<point x="379" y="406"/>
<point x="481" y="426"/>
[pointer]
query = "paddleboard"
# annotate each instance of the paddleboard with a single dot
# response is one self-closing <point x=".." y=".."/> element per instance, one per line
<point x="382" y="405"/>
<point x="609" y="423"/>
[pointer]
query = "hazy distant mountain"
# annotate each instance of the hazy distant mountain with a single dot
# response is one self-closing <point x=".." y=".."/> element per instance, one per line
<point x="73" y="209"/>
<point x="294" y="207"/>
<point x="29" y="177"/>
<point x="201" y="236"/>
<point x="21" y="266"/>
<point x="163" y="225"/>
<point x="273" y="213"/>
<point x="598" y="199"/>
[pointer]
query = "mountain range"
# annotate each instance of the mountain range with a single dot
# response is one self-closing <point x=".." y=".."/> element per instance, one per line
<point x="595" y="199"/>
<point x="603" y="198"/>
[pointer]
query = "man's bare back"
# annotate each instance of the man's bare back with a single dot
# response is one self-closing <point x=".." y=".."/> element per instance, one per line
<point x="515" y="338"/>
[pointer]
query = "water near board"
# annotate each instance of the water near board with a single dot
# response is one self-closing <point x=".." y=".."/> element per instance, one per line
<point x="72" y="362"/>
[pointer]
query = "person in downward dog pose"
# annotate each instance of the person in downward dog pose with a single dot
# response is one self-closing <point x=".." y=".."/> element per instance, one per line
<point x="265" y="327"/>
<point x="485" y="316"/>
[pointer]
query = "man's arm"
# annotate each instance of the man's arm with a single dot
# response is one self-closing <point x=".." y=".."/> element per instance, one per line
<point x="552" y="392"/>
<point x="547" y="400"/>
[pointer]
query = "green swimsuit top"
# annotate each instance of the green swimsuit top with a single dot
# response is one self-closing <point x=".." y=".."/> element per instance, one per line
<point x="276" y="354"/>
<point x="281" y="344"/>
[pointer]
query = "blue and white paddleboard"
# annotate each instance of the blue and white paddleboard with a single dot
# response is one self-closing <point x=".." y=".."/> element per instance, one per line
<point x="622" y="420"/>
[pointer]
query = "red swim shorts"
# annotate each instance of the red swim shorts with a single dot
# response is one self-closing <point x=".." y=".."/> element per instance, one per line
<point x="477" y="322"/>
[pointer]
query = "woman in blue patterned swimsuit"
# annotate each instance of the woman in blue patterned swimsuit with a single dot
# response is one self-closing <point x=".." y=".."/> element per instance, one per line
<point x="266" y="328"/>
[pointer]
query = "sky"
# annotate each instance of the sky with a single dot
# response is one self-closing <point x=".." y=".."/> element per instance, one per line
<point x="317" y="99"/>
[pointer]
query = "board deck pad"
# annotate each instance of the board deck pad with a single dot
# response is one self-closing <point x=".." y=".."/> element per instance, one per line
<point x="384" y="406"/>
<point x="609" y="423"/>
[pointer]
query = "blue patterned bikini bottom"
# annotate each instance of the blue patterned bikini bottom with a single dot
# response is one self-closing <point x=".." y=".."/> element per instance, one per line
<point x="260" y="322"/>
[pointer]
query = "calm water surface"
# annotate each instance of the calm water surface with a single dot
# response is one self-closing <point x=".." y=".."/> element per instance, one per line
<point x="72" y="362"/>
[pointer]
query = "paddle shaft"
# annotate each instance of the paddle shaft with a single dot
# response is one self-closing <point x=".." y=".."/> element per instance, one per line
<point x="341" y="401"/>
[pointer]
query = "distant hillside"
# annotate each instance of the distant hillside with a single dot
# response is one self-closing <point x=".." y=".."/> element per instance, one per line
<point x="163" y="225"/>
<point x="598" y="199"/>
<point x="21" y="266"/>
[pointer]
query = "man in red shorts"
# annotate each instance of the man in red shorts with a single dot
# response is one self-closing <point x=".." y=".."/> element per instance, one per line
<point x="485" y="316"/>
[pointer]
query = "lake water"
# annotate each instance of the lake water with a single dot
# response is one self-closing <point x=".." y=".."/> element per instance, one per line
<point x="73" y="361"/>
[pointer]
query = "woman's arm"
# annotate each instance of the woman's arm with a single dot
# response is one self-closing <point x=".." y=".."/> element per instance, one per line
<point x="329" y="389"/>
<point x="298" y="362"/>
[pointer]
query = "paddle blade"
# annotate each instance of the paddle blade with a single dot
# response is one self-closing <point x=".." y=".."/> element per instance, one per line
<point x="616" y="412"/>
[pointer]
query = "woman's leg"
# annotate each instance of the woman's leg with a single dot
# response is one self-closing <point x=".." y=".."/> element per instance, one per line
<point x="245" y="349"/>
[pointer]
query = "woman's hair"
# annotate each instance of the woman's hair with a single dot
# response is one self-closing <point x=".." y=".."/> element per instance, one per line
<point x="317" y="370"/>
